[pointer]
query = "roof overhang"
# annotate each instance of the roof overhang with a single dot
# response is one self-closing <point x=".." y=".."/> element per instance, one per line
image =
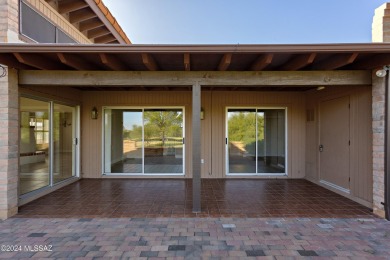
<point x="276" y="57"/>
<point x="92" y="18"/>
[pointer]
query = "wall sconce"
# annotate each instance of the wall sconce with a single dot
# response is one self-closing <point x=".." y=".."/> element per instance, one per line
<point x="202" y="113"/>
<point x="94" y="113"/>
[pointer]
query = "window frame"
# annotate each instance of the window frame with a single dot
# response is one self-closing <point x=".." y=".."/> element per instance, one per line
<point x="28" y="38"/>
<point x="26" y="197"/>
<point x="257" y="109"/>
<point x="143" y="108"/>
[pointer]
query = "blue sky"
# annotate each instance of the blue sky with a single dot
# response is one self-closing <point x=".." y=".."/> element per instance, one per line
<point x="245" y="21"/>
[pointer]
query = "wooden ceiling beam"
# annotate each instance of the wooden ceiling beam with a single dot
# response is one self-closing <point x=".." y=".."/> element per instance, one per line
<point x="38" y="61"/>
<point x="98" y="32"/>
<point x="81" y="15"/>
<point x="90" y="24"/>
<point x="149" y="62"/>
<point x="75" y="62"/>
<point x="205" y="78"/>
<point x="114" y="41"/>
<point x="336" y="62"/>
<point x="372" y="62"/>
<point x="112" y="62"/>
<point x="225" y="62"/>
<point x="12" y="62"/>
<point x="187" y="62"/>
<point x="105" y="39"/>
<point x="71" y="6"/>
<point x="262" y="62"/>
<point x="299" y="62"/>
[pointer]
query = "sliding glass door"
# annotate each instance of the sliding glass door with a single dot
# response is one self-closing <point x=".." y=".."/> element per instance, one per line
<point x="47" y="144"/>
<point x="64" y="144"/>
<point x="256" y="141"/>
<point x="143" y="141"/>
<point x="163" y="136"/>
<point x="34" y="145"/>
<point x="242" y="140"/>
<point x="123" y="140"/>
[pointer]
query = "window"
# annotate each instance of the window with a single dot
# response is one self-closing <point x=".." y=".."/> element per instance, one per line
<point x="256" y="141"/>
<point x="143" y="141"/>
<point x="36" y="27"/>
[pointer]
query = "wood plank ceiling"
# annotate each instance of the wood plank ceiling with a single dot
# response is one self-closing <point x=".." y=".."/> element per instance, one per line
<point x="196" y="57"/>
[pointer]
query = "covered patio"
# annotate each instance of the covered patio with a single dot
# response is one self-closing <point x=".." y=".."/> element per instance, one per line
<point x="158" y="198"/>
<point x="101" y="100"/>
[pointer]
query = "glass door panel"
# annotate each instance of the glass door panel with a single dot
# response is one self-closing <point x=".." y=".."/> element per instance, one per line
<point x="242" y="141"/>
<point x="256" y="141"/>
<point x="261" y="151"/>
<point x="34" y="144"/>
<point x="123" y="140"/>
<point x="274" y="138"/>
<point x="163" y="141"/>
<point x="63" y="142"/>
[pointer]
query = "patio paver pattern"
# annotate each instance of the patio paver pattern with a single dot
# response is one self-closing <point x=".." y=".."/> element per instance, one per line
<point x="195" y="238"/>
<point x="154" y="198"/>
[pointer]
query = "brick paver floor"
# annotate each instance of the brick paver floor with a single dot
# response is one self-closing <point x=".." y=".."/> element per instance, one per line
<point x="157" y="198"/>
<point x="195" y="238"/>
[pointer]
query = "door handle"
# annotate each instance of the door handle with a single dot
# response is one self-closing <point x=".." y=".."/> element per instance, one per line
<point x="321" y="148"/>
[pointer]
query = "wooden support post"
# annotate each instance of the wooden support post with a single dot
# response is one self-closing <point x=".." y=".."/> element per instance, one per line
<point x="196" y="148"/>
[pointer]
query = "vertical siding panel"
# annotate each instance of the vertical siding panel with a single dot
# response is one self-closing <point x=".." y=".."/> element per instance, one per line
<point x="297" y="137"/>
<point x="355" y="144"/>
<point x="218" y="149"/>
<point x="361" y="138"/>
<point x="365" y="144"/>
